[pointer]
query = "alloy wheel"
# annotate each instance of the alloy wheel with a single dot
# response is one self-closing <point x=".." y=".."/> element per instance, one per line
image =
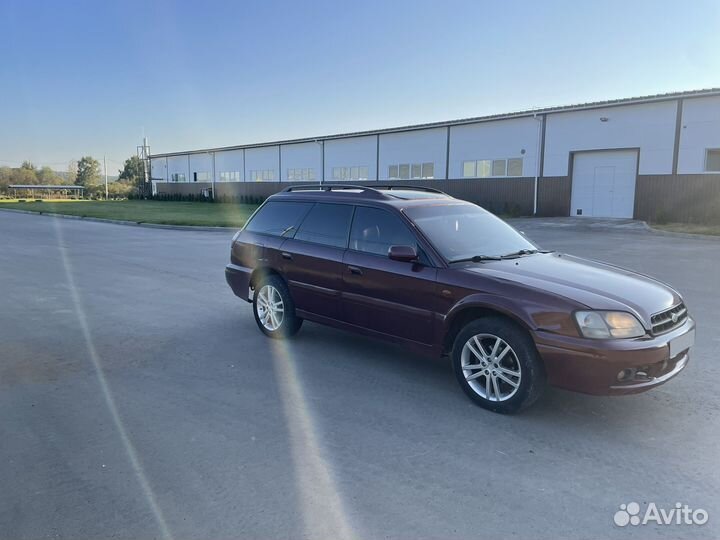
<point x="270" y="308"/>
<point x="491" y="367"/>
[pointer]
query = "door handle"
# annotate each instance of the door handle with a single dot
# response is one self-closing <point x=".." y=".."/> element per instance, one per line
<point x="355" y="270"/>
<point x="286" y="255"/>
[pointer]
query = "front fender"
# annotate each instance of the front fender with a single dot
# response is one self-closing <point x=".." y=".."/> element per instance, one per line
<point x="548" y="314"/>
<point x="491" y="302"/>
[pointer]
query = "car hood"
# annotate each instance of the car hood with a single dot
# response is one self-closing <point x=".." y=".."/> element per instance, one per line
<point x="593" y="284"/>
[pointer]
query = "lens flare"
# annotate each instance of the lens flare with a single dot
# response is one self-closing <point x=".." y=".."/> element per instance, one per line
<point x="322" y="506"/>
<point x="107" y="393"/>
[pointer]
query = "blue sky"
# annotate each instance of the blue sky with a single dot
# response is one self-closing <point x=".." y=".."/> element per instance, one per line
<point x="91" y="77"/>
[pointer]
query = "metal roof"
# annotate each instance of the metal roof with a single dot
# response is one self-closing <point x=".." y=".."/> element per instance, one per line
<point x="40" y="186"/>
<point x="505" y="116"/>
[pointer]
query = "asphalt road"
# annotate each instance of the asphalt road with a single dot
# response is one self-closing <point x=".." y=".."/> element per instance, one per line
<point x="139" y="400"/>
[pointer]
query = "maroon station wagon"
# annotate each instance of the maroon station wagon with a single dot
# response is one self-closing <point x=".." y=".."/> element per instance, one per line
<point x="418" y="267"/>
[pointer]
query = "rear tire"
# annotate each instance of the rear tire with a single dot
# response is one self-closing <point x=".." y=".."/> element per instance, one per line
<point x="497" y="365"/>
<point x="274" y="308"/>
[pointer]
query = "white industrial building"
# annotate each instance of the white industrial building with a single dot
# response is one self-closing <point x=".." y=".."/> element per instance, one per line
<point x="638" y="157"/>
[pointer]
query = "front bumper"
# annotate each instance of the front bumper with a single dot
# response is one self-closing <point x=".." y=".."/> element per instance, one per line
<point x="592" y="366"/>
<point x="238" y="277"/>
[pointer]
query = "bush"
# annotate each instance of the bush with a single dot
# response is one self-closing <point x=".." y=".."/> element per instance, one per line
<point x="198" y="197"/>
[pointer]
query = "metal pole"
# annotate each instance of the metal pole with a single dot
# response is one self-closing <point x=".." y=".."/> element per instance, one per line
<point x="537" y="163"/>
<point x="213" y="176"/>
<point x="106" y="181"/>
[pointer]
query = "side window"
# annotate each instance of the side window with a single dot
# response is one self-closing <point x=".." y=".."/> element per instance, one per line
<point x="278" y="218"/>
<point x="326" y="224"/>
<point x="375" y="230"/>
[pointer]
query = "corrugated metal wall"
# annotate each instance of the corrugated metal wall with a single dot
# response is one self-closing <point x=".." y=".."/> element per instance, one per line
<point x="183" y="188"/>
<point x="682" y="198"/>
<point x="554" y="196"/>
<point x="511" y="196"/>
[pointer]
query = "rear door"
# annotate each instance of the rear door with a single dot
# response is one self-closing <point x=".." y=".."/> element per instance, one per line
<point x="312" y="260"/>
<point x="257" y="246"/>
<point x="392" y="297"/>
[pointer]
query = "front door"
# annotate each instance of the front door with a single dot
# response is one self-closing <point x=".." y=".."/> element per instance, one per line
<point x="391" y="297"/>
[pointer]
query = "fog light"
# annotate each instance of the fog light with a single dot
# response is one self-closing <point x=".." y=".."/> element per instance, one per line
<point x="626" y="374"/>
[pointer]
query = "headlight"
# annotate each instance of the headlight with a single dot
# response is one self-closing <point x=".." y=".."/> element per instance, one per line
<point x="608" y="324"/>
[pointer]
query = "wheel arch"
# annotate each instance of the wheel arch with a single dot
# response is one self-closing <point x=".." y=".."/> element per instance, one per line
<point x="262" y="272"/>
<point x="467" y="312"/>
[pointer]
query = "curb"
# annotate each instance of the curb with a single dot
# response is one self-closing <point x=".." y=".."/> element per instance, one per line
<point x="123" y="222"/>
<point x="205" y="228"/>
<point x="697" y="236"/>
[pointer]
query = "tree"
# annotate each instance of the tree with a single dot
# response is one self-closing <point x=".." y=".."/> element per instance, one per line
<point x="88" y="172"/>
<point x="120" y="190"/>
<point x="27" y="165"/>
<point x="47" y="176"/>
<point x="72" y="172"/>
<point x="133" y="171"/>
<point x="6" y="178"/>
<point x="25" y="175"/>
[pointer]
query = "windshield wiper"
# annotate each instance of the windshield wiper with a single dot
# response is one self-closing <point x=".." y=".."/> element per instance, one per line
<point x="513" y="255"/>
<point x="521" y="252"/>
<point x="478" y="258"/>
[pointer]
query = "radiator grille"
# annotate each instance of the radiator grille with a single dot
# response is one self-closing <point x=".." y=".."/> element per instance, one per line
<point x="670" y="318"/>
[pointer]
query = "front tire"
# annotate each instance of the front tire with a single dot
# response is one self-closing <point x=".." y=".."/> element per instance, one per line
<point x="497" y="365"/>
<point x="274" y="308"/>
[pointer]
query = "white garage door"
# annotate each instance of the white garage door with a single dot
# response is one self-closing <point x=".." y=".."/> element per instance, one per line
<point x="603" y="184"/>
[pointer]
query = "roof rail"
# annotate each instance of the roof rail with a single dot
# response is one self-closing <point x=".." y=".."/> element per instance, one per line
<point x="335" y="187"/>
<point x="375" y="191"/>
<point x="391" y="187"/>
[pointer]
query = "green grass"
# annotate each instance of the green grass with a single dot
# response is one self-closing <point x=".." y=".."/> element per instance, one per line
<point x="691" y="228"/>
<point x="165" y="212"/>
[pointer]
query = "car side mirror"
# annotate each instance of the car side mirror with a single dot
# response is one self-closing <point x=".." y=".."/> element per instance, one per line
<point x="402" y="253"/>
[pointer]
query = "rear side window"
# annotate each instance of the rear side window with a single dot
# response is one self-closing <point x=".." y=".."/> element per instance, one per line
<point x="278" y="218"/>
<point x="326" y="224"/>
<point x="375" y="230"/>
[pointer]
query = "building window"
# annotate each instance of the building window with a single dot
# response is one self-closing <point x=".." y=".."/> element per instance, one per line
<point x="177" y="177"/>
<point x="406" y="171"/>
<point x="486" y="168"/>
<point x="201" y="176"/>
<point x="468" y="169"/>
<point x="712" y="160"/>
<point x="514" y="166"/>
<point x="301" y="175"/>
<point x="498" y="167"/>
<point x="230" y="176"/>
<point x="428" y="170"/>
<point x="267" y="175"/>
<point x="350" y="173"/>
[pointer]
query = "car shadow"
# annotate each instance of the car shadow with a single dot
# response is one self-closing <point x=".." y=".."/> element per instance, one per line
<point x="372" y="362"/>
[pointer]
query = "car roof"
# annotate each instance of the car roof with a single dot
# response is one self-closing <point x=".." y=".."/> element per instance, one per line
<point x="400" y="196"/>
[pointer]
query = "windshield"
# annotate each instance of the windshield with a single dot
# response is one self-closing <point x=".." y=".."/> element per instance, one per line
<point x="462" y="231"/>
